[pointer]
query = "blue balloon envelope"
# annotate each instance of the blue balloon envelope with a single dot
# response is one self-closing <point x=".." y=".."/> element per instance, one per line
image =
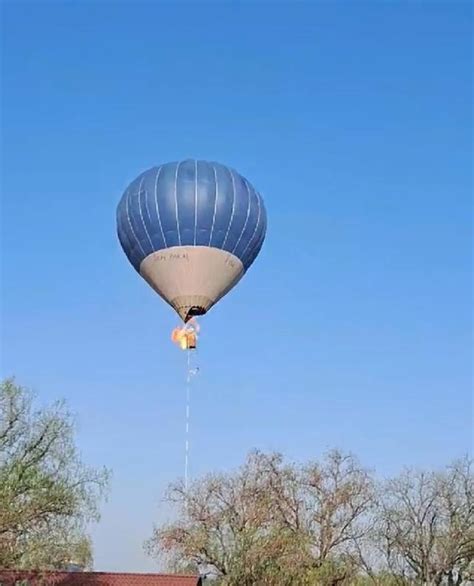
<point x="191" y="229"/>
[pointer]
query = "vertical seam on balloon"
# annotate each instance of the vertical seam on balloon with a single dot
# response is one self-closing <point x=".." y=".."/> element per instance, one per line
<point x="252" y="253"/>
<point x="233" y="207"/>
<point x="215" y="204"/>
<point x="256" y="248"/>
<point x="148" y="210"/>
<point x="157" y="206"/>
<point x="195" y="199"/>
<point x="259" y="240"/>
<point x="140" y="210"/>
<point x="130" y="224"/>
<point x="246" y="219"/>
<point x="122" y="231"/>
<point x="256" y="226"/>
<point x="176" y="200"/>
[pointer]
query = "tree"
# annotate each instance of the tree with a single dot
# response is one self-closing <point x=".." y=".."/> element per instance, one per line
<point x="47" y="495"/>
<point x="271" y="522"/>
<point x="427" y="525"/>
<point x="332" y="505"/>
<point x="325" y="523"/>
<point x="225" y="524"/>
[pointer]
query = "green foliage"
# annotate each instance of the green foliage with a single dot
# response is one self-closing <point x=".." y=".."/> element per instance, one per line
<point x="47" y="495"/>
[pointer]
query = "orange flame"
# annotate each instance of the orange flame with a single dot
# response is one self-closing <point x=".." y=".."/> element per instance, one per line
<point x="186" y="337"/>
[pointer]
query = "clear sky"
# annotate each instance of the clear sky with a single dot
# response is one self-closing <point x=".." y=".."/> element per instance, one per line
<point x="352" y="329"/>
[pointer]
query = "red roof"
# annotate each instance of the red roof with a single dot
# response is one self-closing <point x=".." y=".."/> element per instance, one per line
<point x="10" y="578"/>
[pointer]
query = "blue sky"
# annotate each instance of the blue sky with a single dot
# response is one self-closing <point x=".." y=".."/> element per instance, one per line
<point x="353" y="327"/>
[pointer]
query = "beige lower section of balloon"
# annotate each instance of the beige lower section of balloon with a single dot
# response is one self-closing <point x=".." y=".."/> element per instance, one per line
<point x="190" y="277"/>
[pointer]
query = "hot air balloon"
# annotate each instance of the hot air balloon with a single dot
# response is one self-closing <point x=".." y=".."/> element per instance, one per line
<point x="191" y="229"/>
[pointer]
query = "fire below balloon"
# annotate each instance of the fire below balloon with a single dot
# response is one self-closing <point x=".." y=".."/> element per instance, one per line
<point x="186" y="337"/>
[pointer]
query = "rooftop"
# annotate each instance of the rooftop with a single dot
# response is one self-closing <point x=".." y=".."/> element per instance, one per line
<point x="12" y="578"/>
